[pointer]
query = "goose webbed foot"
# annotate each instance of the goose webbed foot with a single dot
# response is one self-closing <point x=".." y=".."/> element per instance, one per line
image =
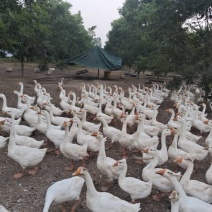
<point x="71" y="167"/>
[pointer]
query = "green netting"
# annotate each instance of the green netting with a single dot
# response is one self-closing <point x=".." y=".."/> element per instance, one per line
<point x="97" y="58"/>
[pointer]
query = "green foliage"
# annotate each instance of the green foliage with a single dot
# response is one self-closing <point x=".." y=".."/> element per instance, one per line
<point x="43" y="65"/>
<point x="61" y="65"/>
<point x="175" y="83"/>
<point x="32" y="30"/>
<point x="165" y="36"/>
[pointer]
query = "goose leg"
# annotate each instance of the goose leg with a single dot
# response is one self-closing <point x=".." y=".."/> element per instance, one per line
<point x="63" y="208"/>
<point x="105" y="188"/>
<point x="139" y="160"/>
<point x="19" y="175"/>
<point x="69" y="168"/>
<point x="33" y="171"/>
<point x="75" y="206"/>
<point x="58" y="152"/>
<point x="158" y="197"/>
<point x="83" y="162"/>
<point x="125" y="154"/>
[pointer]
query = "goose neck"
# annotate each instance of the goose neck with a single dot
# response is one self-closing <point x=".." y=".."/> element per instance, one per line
<point x="91" y="190"/>
<point x="140" y="128"/>
<point x="74" y="99"/>
<point x="154" y="115"/>
<point x="172" y="114"/>
<point x="178" y="187"/>
<point x="51" y="111"/>
<point x="163" y="141"/>
<point x="154" y="162"/>
<point x="21" y="88"/>
<point x="84" y="116"/>
<point x="67" y="132"/>
<point x="12" y="135"/>
<point x="183" y="130"/>
<point x="187" y="175"/>
<point x="124" y="127"/>
<point x="4" y="101"/>
<point x="210" y="134"/>
<point x="104" y="122"/>
<point x="123" y="173"/>
<point x="79" y="123"/>
<point x="102" y="153"/>
<point x="174" y="142"/>
<point x="100" y="107"/>
<point x="48" y="121"/>
<point x="19" y="101"/>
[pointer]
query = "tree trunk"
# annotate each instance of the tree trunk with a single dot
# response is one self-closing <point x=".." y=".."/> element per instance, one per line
<point x="22" y="67"/>
<point x="98" y="73"/>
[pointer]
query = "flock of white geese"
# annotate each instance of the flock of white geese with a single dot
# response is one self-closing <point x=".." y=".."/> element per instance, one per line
<point x="78" y="138"/>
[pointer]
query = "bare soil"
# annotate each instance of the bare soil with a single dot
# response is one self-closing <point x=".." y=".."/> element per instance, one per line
<point x="28" y="193"/>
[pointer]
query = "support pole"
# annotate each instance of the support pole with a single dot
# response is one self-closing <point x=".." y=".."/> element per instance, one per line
<point x="98" y="73"/>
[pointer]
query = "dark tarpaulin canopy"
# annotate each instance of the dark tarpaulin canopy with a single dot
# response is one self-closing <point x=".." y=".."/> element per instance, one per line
<point x="97" y="58"/>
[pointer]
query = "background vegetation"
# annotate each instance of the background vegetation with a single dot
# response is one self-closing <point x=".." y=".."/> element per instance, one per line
<point x="160" y="36"/>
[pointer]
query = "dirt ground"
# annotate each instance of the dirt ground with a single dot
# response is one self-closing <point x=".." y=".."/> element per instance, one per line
<point x="27" y="194"/>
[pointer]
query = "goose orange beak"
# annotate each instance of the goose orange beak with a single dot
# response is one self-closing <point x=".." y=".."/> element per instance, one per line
<point x="173" y="131"/>
<point x="116" y="164"/>
<point x="95" y="133"/>
<point x="160" y="172"/>
<point x="179" y="160"/>
<point x="146" y="150"/>
<point x="2" y="122"/>
<point x="206" y="121"/>
<point x="77" y="172"/>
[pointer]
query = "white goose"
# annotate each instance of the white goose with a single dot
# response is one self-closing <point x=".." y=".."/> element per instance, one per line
<point x="142" y="139"/>
<point x="175" y="204"/>
<point x="174" y="152"/>
<point x="64" y="191"/>
<point x="200" y="125"/>
<point x="70" y="150"/>
<point x="20" y="129"/>
<point x="208" y="140"/>
<point x="20" y="105"/>
<point x="126" y="140"/>
<point x="104" y="163"/>
<point x="3" y="141"/>
<point x="108" y="118"/>
<point x="86" y="125"/>
<point x="52" y="133"/>
<point x="25" y="156"/>
<point x="111" y="132"/>
<point x="189" y="146"/>
<point x="56" y="120"/>
<point x="3" y="209"/>
<point x="208" y="175"/>
<point x="163" y="153"/>
<point x="98" y="201"/>
<point x="187" y="204"/>
<point x="92" y="142"/>
<point x="17" y="112"/>
<point x="149" y="173"/>
<point x="154" y="122"/>
<point x="194" y="188"/>
<point x="136" y="188"/>
<point x="31" y="98"/>
<point x="30" y="115"/>
<point x="22" y="140"/>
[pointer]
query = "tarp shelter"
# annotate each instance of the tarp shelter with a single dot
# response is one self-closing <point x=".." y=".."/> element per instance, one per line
<point x="97" y="58"/>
